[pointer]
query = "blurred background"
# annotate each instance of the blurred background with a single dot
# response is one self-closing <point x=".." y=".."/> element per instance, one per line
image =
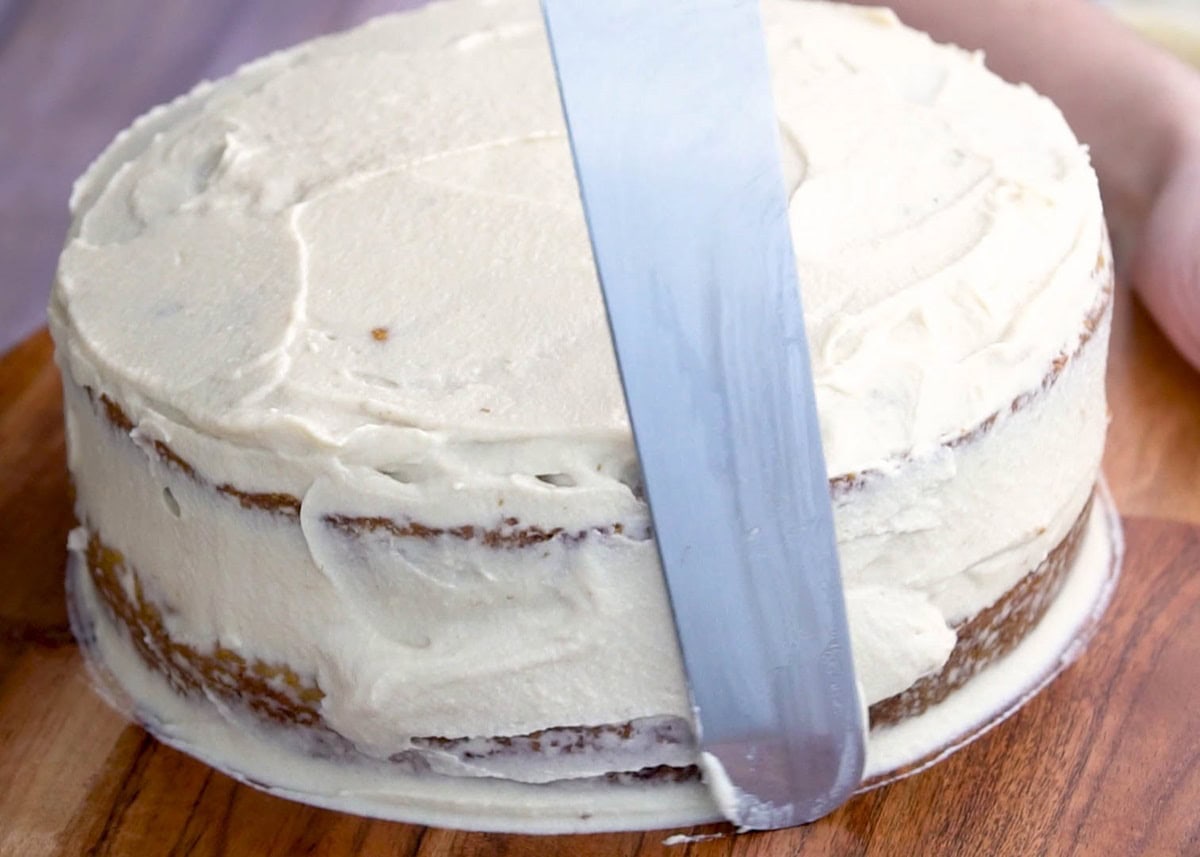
<point x="75" y="72"/>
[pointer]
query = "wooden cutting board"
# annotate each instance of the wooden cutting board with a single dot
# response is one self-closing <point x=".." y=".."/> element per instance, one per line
<point x="1105" y="762"/>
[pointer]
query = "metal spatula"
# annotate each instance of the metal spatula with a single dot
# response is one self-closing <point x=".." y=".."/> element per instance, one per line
<point x="676" y="150"/>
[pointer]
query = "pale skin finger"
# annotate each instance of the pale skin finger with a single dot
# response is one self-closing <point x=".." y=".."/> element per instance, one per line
<point x="1166" y="264"/>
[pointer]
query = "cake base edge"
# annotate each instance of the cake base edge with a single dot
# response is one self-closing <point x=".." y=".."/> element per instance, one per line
<point x="237" y="746"/>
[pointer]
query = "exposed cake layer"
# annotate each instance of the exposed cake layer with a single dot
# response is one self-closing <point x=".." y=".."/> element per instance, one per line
<point x="258" y="756"/>
<point x="991" y="633"/>
<point x="507" y="622"/>
<point x="651" y="748"/>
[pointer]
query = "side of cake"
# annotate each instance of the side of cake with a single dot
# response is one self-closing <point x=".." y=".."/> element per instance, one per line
<point x="349" y="447"/>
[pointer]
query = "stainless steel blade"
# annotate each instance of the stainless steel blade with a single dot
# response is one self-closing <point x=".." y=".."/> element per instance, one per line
<point x="676" y="150"/>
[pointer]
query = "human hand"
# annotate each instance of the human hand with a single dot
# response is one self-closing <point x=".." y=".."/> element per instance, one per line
<point x="1165" y="265"/>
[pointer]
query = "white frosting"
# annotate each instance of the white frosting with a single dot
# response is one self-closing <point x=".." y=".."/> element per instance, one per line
<point x="414" y="174"/>
<point x="251" y="755"/>
<point x="233" y="252"/>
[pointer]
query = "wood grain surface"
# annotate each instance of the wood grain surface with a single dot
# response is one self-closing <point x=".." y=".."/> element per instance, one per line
<point x="1153" y="456"/>
<point x="1105" y="762"/>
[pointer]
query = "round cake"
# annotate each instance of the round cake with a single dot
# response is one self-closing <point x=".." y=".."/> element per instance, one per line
<point x="359" y="507"/>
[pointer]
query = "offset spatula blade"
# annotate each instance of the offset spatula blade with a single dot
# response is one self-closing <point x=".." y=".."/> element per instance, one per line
<point x="676" y="150"/>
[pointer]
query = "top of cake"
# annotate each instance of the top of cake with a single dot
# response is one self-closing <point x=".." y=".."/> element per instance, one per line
<point x="376" y="239"/>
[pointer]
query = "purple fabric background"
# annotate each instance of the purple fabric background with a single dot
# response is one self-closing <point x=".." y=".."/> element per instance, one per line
<point x="75" y="72"/>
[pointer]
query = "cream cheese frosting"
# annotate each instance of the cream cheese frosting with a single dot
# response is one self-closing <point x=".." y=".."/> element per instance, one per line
<point x="243" y="751"/>
<point x="258" y="230"/>
<point x="357" y="273"/>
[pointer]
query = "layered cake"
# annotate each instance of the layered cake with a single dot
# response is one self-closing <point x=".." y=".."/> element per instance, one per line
<point x="359" y="508"/>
